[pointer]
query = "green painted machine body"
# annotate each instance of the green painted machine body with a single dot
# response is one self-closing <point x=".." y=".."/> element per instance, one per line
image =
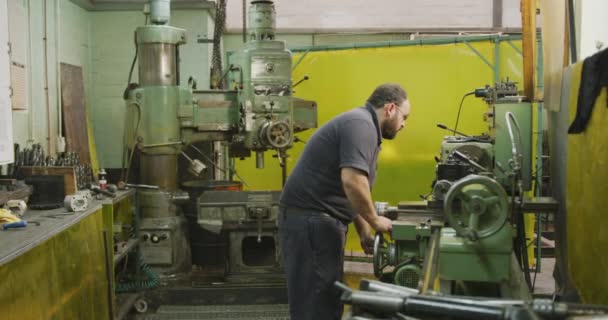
<point x="485" y="260"/>
<point x="256" y="114"/>
<point x="407" y="252"/>
<point x="262" y="76"/>
<point x="474" y="176"/>
<point x="411" y="239"/>
<point x="160" y="34"/>
<point x="262" y="20"/>
<point x="502" y="142"/>
<point x="160" y="109"/>
<point x="164" y="118"/>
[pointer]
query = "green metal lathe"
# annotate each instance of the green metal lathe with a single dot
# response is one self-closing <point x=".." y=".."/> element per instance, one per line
<point x="468" y="237"/>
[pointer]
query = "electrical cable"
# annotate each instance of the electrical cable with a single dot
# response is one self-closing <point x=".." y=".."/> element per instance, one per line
<point x="460" y="108"/>
<point x="521" y="245"/>
<point x="534" y="281"/>
<point x="125" y="95"/>
<point x="130" y="162"/>
<point x="133" y="64"/>
<point x="135" y="57"/>
<point x="152" y="280"/>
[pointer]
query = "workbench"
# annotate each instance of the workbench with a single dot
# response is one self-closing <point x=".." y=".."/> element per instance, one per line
<point x="61" y="265"/>
<point x="118" y="214"/>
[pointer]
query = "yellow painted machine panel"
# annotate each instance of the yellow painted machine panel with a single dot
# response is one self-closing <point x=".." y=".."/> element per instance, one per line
<point x="61" y="278"/>
<point x="586" y="189"/>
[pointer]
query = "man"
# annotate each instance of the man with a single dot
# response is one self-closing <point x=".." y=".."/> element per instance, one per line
<point x="328" y="188"/>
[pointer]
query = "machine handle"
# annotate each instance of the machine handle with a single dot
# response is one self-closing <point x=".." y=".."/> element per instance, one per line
<point x="380" y="260"/>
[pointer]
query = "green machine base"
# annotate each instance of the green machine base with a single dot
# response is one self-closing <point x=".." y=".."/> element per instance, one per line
<point x="484" y="260"/>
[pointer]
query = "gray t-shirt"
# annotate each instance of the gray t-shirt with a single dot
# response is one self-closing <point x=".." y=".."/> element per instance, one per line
<point x="351" y="139"/>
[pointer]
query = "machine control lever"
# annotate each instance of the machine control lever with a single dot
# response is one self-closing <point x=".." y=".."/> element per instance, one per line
<point x="301" y="80"/>
<point x="444" y="127"/>
<point x="259" y="213"/>
<point x="470" y="161"/>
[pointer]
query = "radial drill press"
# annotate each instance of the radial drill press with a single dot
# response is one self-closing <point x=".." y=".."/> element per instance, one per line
<point x="257" y="113"/>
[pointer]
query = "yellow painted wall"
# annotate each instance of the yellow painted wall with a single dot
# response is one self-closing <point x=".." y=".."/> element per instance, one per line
<point x="435" y="78"/>
<point x="586" y="202"/>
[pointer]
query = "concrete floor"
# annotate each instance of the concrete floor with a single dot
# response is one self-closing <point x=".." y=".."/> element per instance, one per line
<point x="545" y="284"/>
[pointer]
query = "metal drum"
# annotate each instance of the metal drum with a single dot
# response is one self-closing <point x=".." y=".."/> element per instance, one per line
<point x="157" y="64"/>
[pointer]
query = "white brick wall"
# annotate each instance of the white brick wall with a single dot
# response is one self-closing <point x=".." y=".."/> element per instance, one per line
<point x="371" y="14"/>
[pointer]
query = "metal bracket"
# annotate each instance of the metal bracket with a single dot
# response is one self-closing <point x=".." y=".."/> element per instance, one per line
<point x="300" y="60"/>
<point x="479" y="55"/>
<point x="518" y="50"/>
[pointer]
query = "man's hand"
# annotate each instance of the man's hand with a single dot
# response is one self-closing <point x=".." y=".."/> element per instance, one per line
<point x="367" y="243"/>
<point x="382" y="224"/>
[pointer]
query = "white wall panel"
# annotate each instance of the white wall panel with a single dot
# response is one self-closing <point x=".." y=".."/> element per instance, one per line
<point x="6" y="119"/>
<point x="365" y="14"/>
<point x="593" y="27"/>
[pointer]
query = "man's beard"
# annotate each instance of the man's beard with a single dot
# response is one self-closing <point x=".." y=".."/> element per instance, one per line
<point x="388" y="132"/>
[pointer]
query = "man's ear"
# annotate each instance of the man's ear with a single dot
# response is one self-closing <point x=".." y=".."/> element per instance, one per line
<point x="387" y="109"/>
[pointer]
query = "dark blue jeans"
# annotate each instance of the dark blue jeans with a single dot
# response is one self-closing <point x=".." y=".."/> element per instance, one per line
<point x="312" y="249"/>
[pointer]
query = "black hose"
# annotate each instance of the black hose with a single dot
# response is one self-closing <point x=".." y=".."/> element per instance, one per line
<point x="125" y="96"/>
<point x="151" y="280"/>
<point x="126" y="177"/>
<point x="460" y="108"/>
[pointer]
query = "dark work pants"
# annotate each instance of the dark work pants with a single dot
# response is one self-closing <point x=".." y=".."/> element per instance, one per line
<point x="312" y="248"/>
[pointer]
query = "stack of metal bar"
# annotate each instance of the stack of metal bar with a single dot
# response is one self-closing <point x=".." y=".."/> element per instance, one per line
<point x="36" y="157"/>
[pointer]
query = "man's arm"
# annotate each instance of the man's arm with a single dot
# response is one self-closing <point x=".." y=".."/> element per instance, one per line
<point x="356" y="188"/>
<point x="365" y="234"/>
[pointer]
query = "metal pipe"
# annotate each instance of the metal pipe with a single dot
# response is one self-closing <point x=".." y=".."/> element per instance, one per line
<point x="571" y="21"/>
<point x="164" y="144"/>
<point x="387" y="288"/>
<point x="244" y="21"/>
<point x="518" y="50"/>
<point x="219" y="157"/>
<point x="492" y="66"/>
<point x="259" y="159"/>
<point x="142" y="186"/>
<point x="439" y="307"/>
<point x="58" y="74"/>
<point x="496" y="60"/>
<point x="406" y="43"/>
<point x="295" y="65"/>
<point x="539" y="153"/>
<point x="375" y="302"/>
<point x="109" y="272"/>
<point x="46" y="81"/>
